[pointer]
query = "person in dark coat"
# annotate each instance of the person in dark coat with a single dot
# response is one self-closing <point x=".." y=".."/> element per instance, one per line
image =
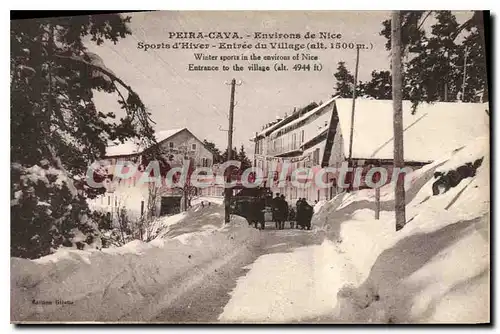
<point x="249" y="211"/>
<point x="300" y="213"/>
<point x="308" y="211"/>
<point x="261" y="208"/>
<point x="276" y="204"/>
<point x="284" y="213"/>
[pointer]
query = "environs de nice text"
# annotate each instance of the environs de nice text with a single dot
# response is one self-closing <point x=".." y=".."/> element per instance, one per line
<point x="255" y="35"/>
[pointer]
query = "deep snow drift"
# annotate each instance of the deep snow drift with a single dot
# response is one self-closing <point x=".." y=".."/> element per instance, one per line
<point x="133" y="282"/>
<point x="436" y="269"/>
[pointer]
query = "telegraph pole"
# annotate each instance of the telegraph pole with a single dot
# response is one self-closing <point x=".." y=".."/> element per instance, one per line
<point x="229" y="191"/>
<point x="353" y="104"/>
<point x="465" y="74"/>
<point x="397" y="101"/>
<point x="351" y="135"/>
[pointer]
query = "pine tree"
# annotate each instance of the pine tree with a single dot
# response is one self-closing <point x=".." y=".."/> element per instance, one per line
<point x="214" y="150"/>
<point x="380" y="85"/>
<point x="57" y="131"/>
<point x="435" y="67"/>
<point x="233" y="154"/>
<point x="476" y="84"/>
<point x="345" y="81"/>
<point x="242" y="157"/>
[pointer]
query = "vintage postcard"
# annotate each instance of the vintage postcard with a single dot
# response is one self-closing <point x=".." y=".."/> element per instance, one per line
<point x="256" y="167"/>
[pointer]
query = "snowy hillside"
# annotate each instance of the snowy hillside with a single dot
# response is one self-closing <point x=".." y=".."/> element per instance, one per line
<point x="129" y="283"/>
<point x="349" y="268"/>
<point x="436" y="269"/>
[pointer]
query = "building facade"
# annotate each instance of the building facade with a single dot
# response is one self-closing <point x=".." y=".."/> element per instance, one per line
<point x="297" y="141"/>
<point x="321" y="137"/>
<point x="175" y="147"/>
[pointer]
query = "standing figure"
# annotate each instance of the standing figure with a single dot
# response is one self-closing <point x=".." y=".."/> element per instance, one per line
<point x="260" y="212"/>
<point x="300" y="213"/>
<point x="276" y="210"/>
<point x="307" y="215"/>
<point x="284" y="211"/>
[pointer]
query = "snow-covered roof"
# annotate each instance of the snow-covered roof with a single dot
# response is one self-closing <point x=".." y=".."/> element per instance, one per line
<point x="127" y="148"/>
<point x="165" y="134"/>
<point x="270" y="129"/>
<point x="132" y="147"/>
<point x="434" y="130"/>
<point x="308" y="114"/>
<point x="284" y="121"/>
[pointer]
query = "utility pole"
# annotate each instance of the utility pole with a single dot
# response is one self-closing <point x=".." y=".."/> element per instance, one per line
<point x="228" y="192"/>
<point x="465" y="73"/>
<point x="397" y="101"/>
<point x="353" y="104"/>
<point x="351" y="135"/>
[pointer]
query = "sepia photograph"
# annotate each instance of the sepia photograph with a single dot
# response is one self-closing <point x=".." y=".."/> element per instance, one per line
<point x="250" y="167"/>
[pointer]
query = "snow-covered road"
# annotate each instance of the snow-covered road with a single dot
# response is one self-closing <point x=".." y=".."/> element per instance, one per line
<point x="351" y="268"/>
<point x="204" y="294"/>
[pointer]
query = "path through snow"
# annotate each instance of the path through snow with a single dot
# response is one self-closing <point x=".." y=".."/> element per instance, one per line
<point x="210" y="289"/>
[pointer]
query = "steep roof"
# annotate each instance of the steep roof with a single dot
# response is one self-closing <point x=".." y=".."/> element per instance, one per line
<point x="132" y="147"/>
<point x="434" y="130"/>
<point x="295" y="115"/>
<point x="309" y="113"/>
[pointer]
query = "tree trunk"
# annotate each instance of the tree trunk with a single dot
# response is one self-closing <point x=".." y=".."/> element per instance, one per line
<point x="397" y="100"/>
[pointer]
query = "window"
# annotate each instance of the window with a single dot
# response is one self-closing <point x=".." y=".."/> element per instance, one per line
<point x="316" y="157"/>
<point x="109" y="200"/>
<point x="302" y="137"/>
<point x="170" y="144"/>
<point x="193" y="147"/>
<point x="294" y="141"/>
<point x="258" y="147"/>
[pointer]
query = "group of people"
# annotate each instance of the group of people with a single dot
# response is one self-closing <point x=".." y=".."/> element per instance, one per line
<point x="282" y="212"/>
<point x="302" y="215"/>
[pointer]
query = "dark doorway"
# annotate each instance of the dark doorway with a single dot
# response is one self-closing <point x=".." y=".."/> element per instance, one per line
<point x="170" y="205"/>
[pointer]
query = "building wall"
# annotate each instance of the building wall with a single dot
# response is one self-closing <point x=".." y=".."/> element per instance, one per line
<point x="291" y="137"/>
<point x="130" y="194"/>
<point x="184" y="144"/>
<point x="309" y="159"/>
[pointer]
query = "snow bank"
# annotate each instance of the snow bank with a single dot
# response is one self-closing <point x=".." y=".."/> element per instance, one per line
<point x="436" y="269"/>
<point x="212" y="199"/>
<point x="129" y="283"/>
<point x="162" y="225"/>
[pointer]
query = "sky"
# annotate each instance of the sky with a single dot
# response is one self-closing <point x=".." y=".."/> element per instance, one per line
<point x="199" y="101"/>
